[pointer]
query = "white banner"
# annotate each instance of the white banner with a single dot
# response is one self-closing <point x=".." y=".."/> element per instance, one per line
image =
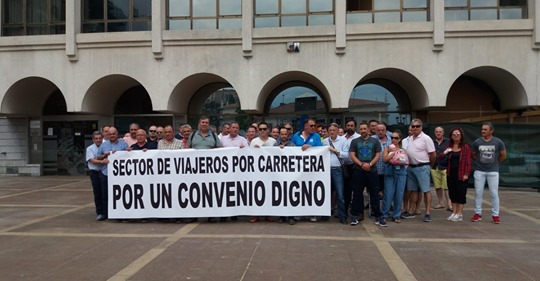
<point x="219" y="183"/>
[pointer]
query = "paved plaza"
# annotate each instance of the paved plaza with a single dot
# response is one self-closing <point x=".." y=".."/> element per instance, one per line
<point x="48" y="232"/>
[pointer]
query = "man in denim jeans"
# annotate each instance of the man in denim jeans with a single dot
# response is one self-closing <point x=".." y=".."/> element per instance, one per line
<point x="487" y="152"/>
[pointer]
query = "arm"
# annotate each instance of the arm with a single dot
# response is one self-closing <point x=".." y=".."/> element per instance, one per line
<point x="502" y="156"/>
<point x="387" y="155"/>
<point x="432" y="157"/>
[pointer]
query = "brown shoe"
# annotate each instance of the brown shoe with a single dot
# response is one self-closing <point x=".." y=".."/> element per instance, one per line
<point x="253" y="219"/>
<point x="270" y="219"/>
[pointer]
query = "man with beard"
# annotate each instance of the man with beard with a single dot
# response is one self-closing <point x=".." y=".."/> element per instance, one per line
<point x="350" y="135"/>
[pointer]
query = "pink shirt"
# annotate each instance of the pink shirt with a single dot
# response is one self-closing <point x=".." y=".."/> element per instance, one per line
<point x="419" y="148"/>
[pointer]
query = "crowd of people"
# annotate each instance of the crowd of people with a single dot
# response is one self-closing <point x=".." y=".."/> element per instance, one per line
<point x="393" y="170"/>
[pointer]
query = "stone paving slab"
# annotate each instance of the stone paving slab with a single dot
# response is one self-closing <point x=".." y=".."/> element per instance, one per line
<point x="48" y="232"/>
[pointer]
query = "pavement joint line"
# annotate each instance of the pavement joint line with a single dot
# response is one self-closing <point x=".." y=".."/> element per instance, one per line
<point x="511" y="211"/>
<point x="40" y="189"/>
<point x="251" y="259"/>
<point x="30" y="222"/>
<point x="36" y="206"/>
<point x="400" y="270"/>
<point x="150" y="255"/>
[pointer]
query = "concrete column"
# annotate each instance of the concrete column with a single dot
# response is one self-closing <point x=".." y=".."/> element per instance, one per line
<point x="247" y="27"/>
<point x="341" y="26"/>
<point x="534" y="11"/>
<point x="437" y="12"/>
<point x="159" y="17"/>
<point x="73" y="27"/>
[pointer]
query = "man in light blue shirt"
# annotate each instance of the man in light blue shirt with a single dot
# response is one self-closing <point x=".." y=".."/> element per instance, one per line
<point x="94" y="165"/>
<point x="336" y="145"/>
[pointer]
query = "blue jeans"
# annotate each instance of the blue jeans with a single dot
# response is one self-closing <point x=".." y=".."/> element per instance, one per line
<point x="336" y="178"/>
<point x="96" y="187"/>
<point x="394" y="187"/>
<point x="104" y="193"/>
<point x="363" y="179"/>
<point x="492" y="179"/>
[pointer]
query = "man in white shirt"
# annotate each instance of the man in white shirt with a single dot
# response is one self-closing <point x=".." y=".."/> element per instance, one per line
<point x="336" y="145"/>
<point x="263" y="139"/>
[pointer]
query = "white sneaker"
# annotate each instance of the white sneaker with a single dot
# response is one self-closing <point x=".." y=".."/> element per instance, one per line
<point x="451" y="217"/>
<point x="457" y="218"/>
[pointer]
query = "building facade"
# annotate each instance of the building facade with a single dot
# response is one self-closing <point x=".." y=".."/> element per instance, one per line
<point x="70" y="67"/>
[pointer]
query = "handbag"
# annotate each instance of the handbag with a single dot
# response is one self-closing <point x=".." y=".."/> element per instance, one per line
<point x="400" y="158"/>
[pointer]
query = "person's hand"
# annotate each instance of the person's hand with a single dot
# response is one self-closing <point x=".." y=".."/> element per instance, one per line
<point x="391" y="153"/>
<point x="448" y="150"/>
<point x="305" y="146"/>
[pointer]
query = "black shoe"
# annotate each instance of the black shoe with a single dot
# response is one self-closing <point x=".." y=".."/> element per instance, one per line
<point x="212" y="220"/>
<point x="282" y="220"/>
<point x="101" y="217"/>
<point x="343" y="221"/>
<point x="292" y="221"/>
<point x="223" y="219"/>
<point x="361" y="217"/>
<point x="190" y="220"/>
<point x="235" y="218"/>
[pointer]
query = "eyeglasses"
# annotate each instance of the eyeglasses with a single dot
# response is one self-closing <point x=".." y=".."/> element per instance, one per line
<point x="416" y="126"/>
<point x="288" y="128"/>
<point x="263" y="129"/>
<point x="395" y="138"/>
<point x="456" y="134"/>
<point x="312" y="126"/>
<point x="159" y="132"/>
<point x="152" y="131"/>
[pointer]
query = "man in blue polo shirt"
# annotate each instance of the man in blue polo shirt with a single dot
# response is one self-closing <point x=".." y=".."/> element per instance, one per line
<point x="307" y="137"/>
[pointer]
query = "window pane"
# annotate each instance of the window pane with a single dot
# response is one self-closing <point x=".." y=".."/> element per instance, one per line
<point x="320" y="6"/>
<point x="117" y="9"/>
<point x="511" y="13"/>
<point x="414" y="4"/>
<point x="522" y="3"/>
<point x="57" y="29"/>
<point x="386" y="4"/>
<point x="141" y="26"/>
<point x="293" y="21"/>
<point x="13" y="31"/>
<point x="359" y="18"/>
<point x="415" y="16"/>
<point x="93" y="27"/>
<point x="58" y="10"/>
<point x="484" y="14"/>
<point x="455" y="3"/>
<point x="179" y="25"/>
<point x="13" y="13"/>
<point x="266" y="7"/>
<point x="230" y="7"/>
<point x="387" y="17"/>
<point x="293" y="6"/>
<point x="93" y="10"/>
<point x="35" y="13"/>
<point x="204" y="8"/>
<point x="456" y="15"/>
<point x="267" y="22"/>
<point x="178" y="8"/>
<point x="142" y="8"/>
<point x="117" y="26"/>
<point x="483" y="3"/>
<point x="204" y="24"/>
<point x="321" y="19"/>
<point x="230" y="24"/>
<point x="37" y="30"/>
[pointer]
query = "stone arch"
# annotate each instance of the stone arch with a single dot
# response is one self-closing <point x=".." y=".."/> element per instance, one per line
<point x="35" y="89"/>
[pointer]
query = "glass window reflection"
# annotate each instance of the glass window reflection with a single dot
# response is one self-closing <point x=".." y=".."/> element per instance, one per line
<point x="142" y="8"/>
<point x="511" y="13"/>
<point x="266" y="6"/>
<point x="381" y="17"/>
<point x="293" y="21"/>
<point x="204" y="24"/>
<point x="387" y="4"/>
<point x="484" y="14"/>
<point x="455" y="3"/>
<point x="321" y="6"/>
<point x="204" y="8"/>
<point x="408" y="4"/>
<point x="267" y="22"/>
<point x="293" y="6"/>
<point x="230" y="7"/>
<point x="230" y="23"/>
<point x="415" y="16"/>
<point x="178" y="8"/>
<point x="118" y="9"/>
<point x="483" y="3"/>
<point x="456" y="15"/>
<point x="321" y="20"/>
<point x="179" y="25"/>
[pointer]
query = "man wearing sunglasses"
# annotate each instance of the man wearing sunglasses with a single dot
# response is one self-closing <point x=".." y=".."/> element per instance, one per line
<point x="307" y="137"/>
<point x="421" y="151"/>
<point x="263" y="139"/>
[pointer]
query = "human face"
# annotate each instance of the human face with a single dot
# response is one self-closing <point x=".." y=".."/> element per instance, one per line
<point x="341" y="132"/>
<point x="275" y="133"/>
<point x="105" y="132"/>
<point x="97" y="139"/>
<point x="185" y="132"/>
<point x="381" y="130"/>
<point x="486" y="131"/>
<point x="309" y="126"/>
<point x="373" y="128"/>
<point x="159" y="132"/>
<point x="324" y="133"/>
<point x="364" y="131"/>
<point x="225" y="130"/>
<point x="168" y="133"/>
<point x="456" y="136"/>
<point x="233" y="132"/>
<point x="439" y="133"/>
<point x="332" y="132"/>
<point x="416" y="128"/>
<point x="141" y="136"/>
<point x="395" y="139"/>
<point x="289" y="129"/>
<point x="251" y="133"/>
<point x="152" y="132"/>
<point x="263" y="130"/>
<point x="133" y="130"/>
<point x="284" y="135"/>
<point x="113" y="134"/>
<point x="204" y="124"/>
